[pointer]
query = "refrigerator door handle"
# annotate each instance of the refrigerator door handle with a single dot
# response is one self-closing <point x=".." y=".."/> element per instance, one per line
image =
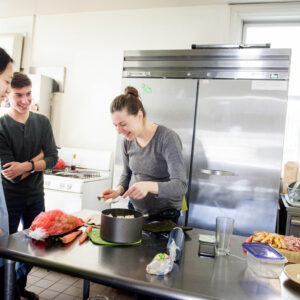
<point x="217" y="172"/>
<point x="295" y="221"/>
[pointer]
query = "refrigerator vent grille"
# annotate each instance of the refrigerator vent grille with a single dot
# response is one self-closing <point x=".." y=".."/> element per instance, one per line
<point x="261" y="63"/>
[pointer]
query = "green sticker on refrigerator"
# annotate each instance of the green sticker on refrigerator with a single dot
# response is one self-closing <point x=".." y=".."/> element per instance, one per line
<point x="146" y="88"/>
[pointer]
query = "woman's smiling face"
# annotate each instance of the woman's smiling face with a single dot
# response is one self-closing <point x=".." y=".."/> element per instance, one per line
<point x="127" y="125"/>
<point x="5" y="81"/>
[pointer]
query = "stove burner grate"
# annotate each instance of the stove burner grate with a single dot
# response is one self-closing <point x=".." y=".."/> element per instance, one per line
<point x="79" y="174"/>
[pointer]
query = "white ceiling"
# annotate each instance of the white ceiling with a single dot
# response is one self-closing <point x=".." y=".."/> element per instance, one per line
<point x="9" y="8"/>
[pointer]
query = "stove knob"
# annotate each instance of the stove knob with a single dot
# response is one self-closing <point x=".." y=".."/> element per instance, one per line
<point x="69" y="186"/>
<point x="62" y="185"/>
<point x="47" y="183"/>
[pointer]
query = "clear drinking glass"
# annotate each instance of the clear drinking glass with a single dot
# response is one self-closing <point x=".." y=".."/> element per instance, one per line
<point x="98" y="297"/>
<point x="224" y="229"/>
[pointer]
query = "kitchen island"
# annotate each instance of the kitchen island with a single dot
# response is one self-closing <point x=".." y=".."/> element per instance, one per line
<point x="124" y="267"/>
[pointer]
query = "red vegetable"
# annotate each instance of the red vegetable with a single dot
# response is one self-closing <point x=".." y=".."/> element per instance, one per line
<point x="248" y="240"/>
<point x="84" y="236"/>
<point x="70" y="237"/>
<point x="89" y="228"/>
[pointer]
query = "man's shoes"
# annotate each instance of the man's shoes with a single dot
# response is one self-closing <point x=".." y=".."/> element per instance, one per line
<point x="29" y="295"/>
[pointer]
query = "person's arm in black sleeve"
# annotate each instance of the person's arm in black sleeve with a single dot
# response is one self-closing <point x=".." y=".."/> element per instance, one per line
<point x="49" y="148"/>
<point x="6" y="154"/>
<point x="18" y="170"/>
<point x="47" y="158"/>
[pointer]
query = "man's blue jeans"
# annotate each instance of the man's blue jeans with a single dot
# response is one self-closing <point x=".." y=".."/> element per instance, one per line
<point x="24" y="211"/>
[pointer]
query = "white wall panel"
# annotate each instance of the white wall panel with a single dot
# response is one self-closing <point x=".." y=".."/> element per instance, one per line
<point x="22" y="25"/>
<point x="91" y="45"/>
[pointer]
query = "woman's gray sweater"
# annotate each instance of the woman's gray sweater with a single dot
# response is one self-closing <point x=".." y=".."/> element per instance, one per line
<point x="160" y="161"/>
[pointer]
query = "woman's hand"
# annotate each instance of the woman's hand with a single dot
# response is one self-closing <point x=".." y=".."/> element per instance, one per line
<point x="112" y="194"/>
<point x="139" y="190"/>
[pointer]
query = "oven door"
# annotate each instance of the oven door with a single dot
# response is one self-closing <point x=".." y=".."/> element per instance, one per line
<point x="68" y="202"/>
<point x="293" y="225"/>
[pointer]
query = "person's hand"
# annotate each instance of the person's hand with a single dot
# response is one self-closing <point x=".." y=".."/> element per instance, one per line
<point x="139" y="190"/>
<point x="0" y="231"/>
<point x="13" y="169"/>
<point x="109" y="194"/>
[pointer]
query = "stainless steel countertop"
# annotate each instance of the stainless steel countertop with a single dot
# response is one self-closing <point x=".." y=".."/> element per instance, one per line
<point x="124" y="267"/>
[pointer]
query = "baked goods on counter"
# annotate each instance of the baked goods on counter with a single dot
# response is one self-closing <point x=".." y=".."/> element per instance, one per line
<point x="277" y="240"/>
<point x="289" y="246"/>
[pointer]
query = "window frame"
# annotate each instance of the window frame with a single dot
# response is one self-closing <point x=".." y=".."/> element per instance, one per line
<point x="259" y="14"/>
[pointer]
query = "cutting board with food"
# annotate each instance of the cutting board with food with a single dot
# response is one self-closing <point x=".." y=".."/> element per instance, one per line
<point x="289" y="246"/>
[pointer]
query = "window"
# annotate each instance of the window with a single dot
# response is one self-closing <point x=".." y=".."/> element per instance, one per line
<point x="283" y="35"/>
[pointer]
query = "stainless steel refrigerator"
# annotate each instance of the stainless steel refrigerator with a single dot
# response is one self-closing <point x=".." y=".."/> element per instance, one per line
<point x="228" y="107"/>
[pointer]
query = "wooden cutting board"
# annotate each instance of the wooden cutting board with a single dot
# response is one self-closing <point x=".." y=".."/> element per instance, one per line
<point x="292" y="256"/>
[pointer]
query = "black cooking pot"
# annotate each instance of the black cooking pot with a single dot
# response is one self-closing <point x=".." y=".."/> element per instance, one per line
<point x="121" y="230"/>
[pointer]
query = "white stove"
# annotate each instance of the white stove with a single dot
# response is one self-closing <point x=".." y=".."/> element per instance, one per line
<point x="74" y="190"/>
<point x="83" y="174"/>
<point x="71" y="181"/>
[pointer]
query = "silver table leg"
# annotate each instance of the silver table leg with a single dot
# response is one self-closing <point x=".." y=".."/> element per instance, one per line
<point x="9" y="280"/>
<point x="86" y="289"/>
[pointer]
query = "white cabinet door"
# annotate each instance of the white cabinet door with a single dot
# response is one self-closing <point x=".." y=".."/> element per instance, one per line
<point x="12" y="43"/>
<point x="65" y="201"/>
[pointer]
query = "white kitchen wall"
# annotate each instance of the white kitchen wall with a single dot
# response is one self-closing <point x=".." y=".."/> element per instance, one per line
<point x="91" y="45"/>
<point x="25" y="26"/>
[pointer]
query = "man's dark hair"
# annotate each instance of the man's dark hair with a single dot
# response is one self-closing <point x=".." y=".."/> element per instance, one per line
<point x="20" y="80"/>
<point x="5" y="59"/>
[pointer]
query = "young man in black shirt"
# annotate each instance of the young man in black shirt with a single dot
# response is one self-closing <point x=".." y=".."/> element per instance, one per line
<point x="27" y="147"/>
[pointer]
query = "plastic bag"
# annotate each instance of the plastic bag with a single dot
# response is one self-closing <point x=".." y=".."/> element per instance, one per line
<point x="162" y="263"/>
<point x="53" y="222"/>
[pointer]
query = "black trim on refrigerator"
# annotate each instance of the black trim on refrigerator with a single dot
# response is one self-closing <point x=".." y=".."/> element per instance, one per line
<point x="192" y="156"/>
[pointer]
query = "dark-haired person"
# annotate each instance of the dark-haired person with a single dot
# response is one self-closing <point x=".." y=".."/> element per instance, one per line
<point x="154" y="175"/>
<point x="27" y="147"/>
<point x="6" y="74"/>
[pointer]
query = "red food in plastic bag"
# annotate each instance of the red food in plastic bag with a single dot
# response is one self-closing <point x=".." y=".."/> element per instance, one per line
<point x="55" y="222"/>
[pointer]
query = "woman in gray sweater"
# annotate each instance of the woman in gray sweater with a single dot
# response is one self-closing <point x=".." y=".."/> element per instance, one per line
<point x="154" y="175"/>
